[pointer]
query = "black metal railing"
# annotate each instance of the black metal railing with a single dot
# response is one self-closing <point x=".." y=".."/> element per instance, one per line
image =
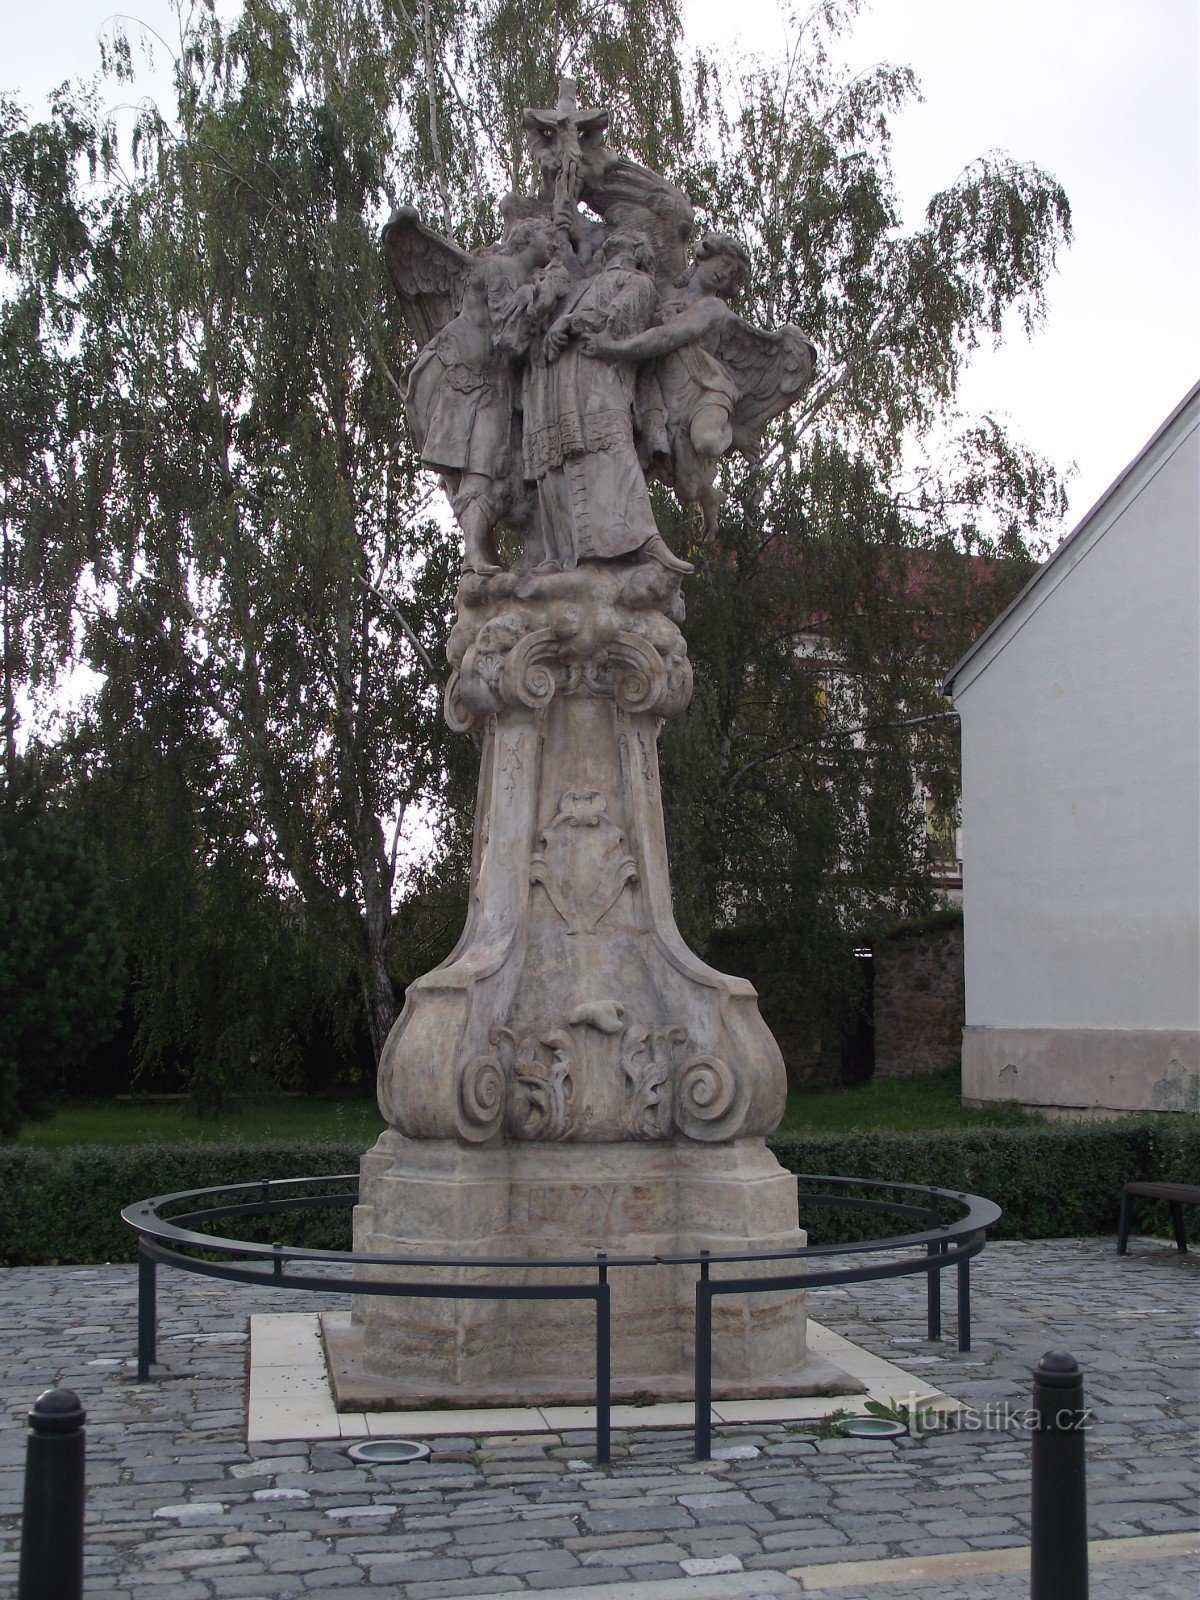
<point x="941" y="1239"/>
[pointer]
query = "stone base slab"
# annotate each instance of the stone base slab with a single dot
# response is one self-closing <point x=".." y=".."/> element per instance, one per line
<point x="1073" y="1071"/>
<point x="536" y="1201"/>
<point x="355" y="1389"/>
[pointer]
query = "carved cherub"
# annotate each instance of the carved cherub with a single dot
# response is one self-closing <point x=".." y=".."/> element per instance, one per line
<point x="719" y="380"/>
<point x="475" y="316"/>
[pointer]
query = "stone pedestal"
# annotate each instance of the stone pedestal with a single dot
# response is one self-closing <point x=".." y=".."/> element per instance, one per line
<point x="437" y="1197"/>
<point x="573" y="1078"/>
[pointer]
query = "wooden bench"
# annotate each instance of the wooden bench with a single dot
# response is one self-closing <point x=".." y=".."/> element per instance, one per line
<point x="1177" y="1195"/>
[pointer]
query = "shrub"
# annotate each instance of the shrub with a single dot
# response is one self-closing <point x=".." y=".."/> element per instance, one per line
<point x="1058" y="1181"/>
<point x="59" y="1206"/>
<point x="1061" y="1181"/>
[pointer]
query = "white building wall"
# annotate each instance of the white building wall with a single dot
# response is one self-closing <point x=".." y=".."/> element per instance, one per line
<point x="1081" y="811"/>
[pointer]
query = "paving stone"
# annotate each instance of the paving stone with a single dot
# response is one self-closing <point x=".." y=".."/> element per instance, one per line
<point x="413" y="1570"/>
<point x="524" y="1564"/>
<point x="640" y="1517"/>
<point x="464" y="1587"/>
<point x="496" y="1542"/>
<point x="704" y="1566"/>
<point x="732" y="1545"/>
<point x="583" y="1578"/>
<point x="173" y="1512"/>
<point x="633" y="1555"/>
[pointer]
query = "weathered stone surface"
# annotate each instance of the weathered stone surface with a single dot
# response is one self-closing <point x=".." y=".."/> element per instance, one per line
<point x="573" y="1078"/>
<point x="649" y="1198"/>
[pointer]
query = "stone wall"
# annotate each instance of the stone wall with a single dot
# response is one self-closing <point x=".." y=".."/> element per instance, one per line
<point x="919" y="1002"/>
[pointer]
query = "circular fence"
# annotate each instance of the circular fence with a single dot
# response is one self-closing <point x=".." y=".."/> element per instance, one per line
<point x="944" y="1228"/>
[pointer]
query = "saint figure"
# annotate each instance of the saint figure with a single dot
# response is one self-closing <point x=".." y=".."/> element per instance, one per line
<point x="579" y="444"/>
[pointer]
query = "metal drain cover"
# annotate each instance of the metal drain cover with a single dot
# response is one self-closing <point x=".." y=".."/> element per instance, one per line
<point x="388" y="1452"/>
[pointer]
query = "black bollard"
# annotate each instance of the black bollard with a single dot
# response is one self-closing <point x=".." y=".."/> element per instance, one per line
<point x="1059" y="1555"/>
<point x="52" y="1527"/>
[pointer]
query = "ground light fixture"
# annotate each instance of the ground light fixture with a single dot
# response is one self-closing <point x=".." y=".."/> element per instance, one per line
<point x="871" y="1427"/>
<point x="387" y="1452"/>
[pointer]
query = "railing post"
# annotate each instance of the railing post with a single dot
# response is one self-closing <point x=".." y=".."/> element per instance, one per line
<point x="603" y="1362"/>
<point x="964" y="1304"/>
<point x="1059" y="1554"/>
<point x="933" y="1278"/>
<point x="704" y="1300"/>
<point x="52" y="1525"/>
<point x="933" y="1293"/>
<point x="147" y="1334"/>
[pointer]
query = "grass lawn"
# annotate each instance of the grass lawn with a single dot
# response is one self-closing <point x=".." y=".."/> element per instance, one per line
<point x="928" y="1100"/>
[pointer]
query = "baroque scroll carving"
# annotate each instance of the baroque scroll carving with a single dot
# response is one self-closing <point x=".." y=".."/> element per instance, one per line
<point x="541" y="1071"/>
<point x="482" y="1094"/>
<point x="647" y="1063"/>
<point x="527" y="1085"/>
<point x="518" y="657"/>
<point x="706" y="1094"/>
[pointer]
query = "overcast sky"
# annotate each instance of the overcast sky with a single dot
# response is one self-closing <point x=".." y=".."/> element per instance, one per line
<point x="1102" y="93"/>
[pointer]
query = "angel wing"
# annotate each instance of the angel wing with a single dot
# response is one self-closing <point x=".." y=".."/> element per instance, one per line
<point x="772" y="369"/>
<point x="430" y="274"/>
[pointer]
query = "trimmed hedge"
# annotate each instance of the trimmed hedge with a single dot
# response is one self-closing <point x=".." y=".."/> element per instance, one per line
<point x="63" y="1206"/>
<point x="1061" y="1181"/>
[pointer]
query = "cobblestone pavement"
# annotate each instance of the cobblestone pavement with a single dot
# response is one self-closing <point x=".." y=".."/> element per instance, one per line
<point x="179" y="1508"/>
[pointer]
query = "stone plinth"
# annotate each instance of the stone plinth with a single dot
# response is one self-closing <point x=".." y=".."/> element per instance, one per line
<point x="571" y="1008"/>
<point x="435" y="1197"/>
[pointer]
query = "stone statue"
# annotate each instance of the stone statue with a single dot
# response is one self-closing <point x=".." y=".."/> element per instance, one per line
<point x="579" y="444"/>
<point x="573" y="1077"/>
<point x="561" y="365"/>
<point x="479" y="316"/>
<point x="720" y="380"/>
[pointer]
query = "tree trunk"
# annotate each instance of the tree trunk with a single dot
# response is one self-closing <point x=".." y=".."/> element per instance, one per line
<point x="379" y="997"/>
<point x="9" y="710"/>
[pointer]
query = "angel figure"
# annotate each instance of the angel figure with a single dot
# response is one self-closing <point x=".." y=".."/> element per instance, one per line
<point x="475" y="317"/>
<point x="715" y="381"/>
